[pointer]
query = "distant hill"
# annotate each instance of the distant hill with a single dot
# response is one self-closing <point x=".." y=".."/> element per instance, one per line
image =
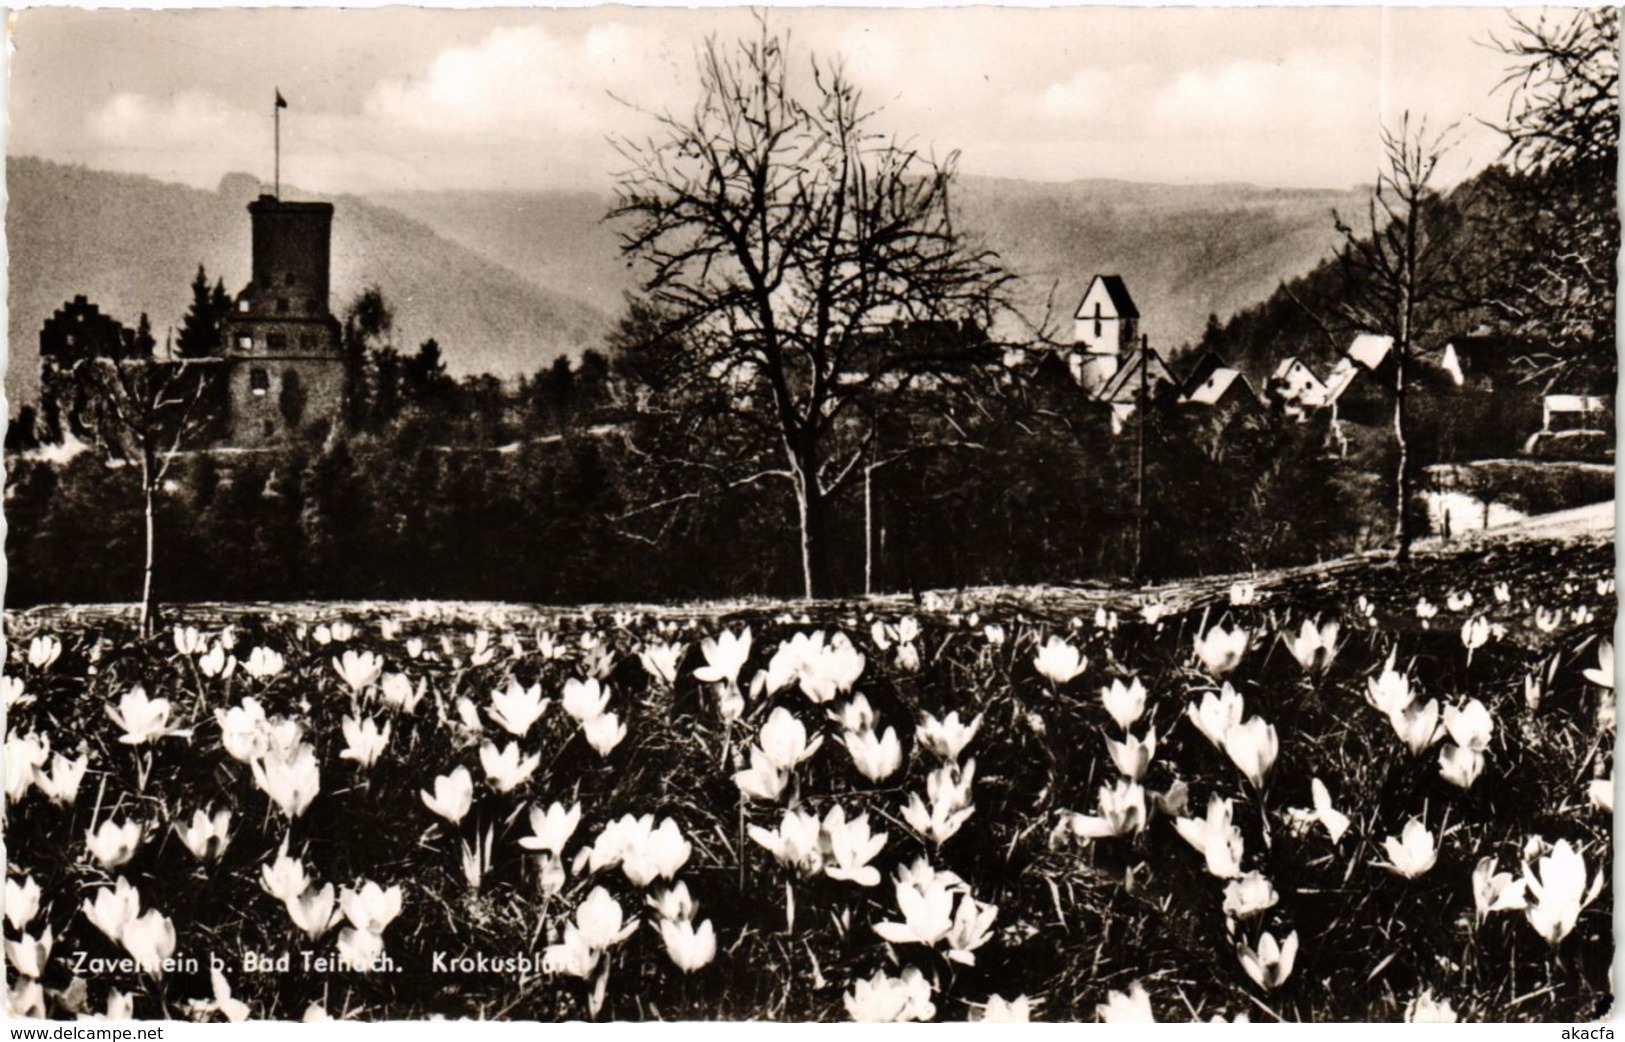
<point x="507" y="281"/>
<point x="1186" y="251"/>
<point x="133" y="244"/>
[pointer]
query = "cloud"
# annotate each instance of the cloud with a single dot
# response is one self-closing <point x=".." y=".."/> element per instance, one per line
<point x="526" y="81"/>
<point x="1305" y="88"/>
<point x="139" y="120"/>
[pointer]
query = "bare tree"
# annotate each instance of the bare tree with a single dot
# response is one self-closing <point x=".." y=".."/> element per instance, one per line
<point x="143" y="412"/>
<point x="800" y="254"/>
<point x="1399" y="270"/>
<point x="1562" y="129"/>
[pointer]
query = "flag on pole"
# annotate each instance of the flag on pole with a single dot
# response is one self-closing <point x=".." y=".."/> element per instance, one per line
<point x="281" y="102"/>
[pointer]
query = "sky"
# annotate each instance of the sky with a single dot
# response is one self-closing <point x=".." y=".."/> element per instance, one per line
<point x="401" y="99"/>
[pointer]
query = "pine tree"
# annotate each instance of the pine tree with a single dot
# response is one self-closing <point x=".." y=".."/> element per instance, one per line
<point x="200" y="329"/>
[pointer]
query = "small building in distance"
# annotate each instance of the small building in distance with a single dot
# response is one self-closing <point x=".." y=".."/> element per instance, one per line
<point x="1105" y="328"/>
<point x="1295" y="388"/>
<point x="281" y="342"/>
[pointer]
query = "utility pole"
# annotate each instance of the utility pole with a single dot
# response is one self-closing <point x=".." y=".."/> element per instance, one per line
<point x="1139" y="462"/>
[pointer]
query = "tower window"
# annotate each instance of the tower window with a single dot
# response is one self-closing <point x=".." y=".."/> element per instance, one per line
<point x="269" y="427"/>
<point x="245" y="343"/>
<point x="259" y="382"/>
<point x="242" y="305"/>
<point x="282" y="305"/>
<point x="1097" y="318"/>
<point x="276" y="341"/>
<point x="308" y="342"/>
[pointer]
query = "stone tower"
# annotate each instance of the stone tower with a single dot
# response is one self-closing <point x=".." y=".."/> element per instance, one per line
<point x="281" y="341"/>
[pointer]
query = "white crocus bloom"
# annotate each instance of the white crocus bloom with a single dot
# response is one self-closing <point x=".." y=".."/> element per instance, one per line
<point x="946" y="739"/>
<point x="1059" y="661"/>
<point x="552" y="828"/>
<point x="877" y="757"/>
<point x="22" y="902"/>
<point x="1248" y="896"/>
<point x="1323" y="813"/>
<point x="763" y="781"/>
<point x="1220" y="650"/>
<point x="142" y="719"/>
<point x="517" y="708"/>
<point x="884" y="1000"/>
<point x="690" y="948"/>
<point x="398" y="693"/>
<point x="263" y="664"/>
<point x="784" y="740"/>
<point x="1271" y="964"/>
<point x="1555" y="885"/>
<point x="113" y="908"/>
<point x="112" y="845"/>
<point x="1215" y="838"/>
<point x="1460" y="766"/>
<point x="1425" y="1009"/>
<point x="1133" y="755"/>
<point x="1418" y="725"/>
<point x="1252" y="747"/>
<point x="291" y="779"/>
<point x="453" y="795"/>
<point x="507" y="769"/>
<point x="724" y="657"/>
<point x="1413" y="852"/>
<point x="364" y="740"/>
<point x="43" y="651"/>
<point x="61" y="783"/>
<point x="1125" y="704"/>
<point x="315" y="911"/>
<point x="1001" y="1011"/>
<point x="851" y="847"/>
<point x="1313" y="647"/>
<point x="359" y="669"/>
<point x="285" y="878"/>
<point x="1131" y="1007"/>
<point x="150" y="940"/>
<point x="585" y="700"/>
<point x="1121" y="811"/>
<point x="243" y="730"/>
<point x="796" y="843"/>
<point x="1215" y="714"/>
<point x="207" y="837"/>
<point x="371" y="907"/>
<point x="604" y="733"/>
<point x="660" y="661"/>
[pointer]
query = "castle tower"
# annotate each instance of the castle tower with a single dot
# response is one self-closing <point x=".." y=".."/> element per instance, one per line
<point x="1105" y="327"/>
<point x="286" y="368"/>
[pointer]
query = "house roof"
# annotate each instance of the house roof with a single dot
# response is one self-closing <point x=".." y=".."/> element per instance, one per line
<point x="1206" y="364"/>
<point x="1116" y="291"/>
<point x="1284" y="370"/>
<point x="1124" y="386"/>
<point x="1370" y="349"/>
<point x="1221" y="383"/>
<point x="1340" y="379"/>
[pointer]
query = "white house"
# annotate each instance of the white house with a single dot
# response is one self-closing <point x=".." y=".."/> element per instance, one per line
<point x="1105" y="327"/>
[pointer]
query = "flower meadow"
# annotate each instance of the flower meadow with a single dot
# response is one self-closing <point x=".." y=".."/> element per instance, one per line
<point x="1383" y="797"/>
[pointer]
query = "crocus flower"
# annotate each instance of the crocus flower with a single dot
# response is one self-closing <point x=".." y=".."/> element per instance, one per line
<point x="1314" y="647"/>
<point x="22" y="902"/>
<point x="1271" y="964"/>
<point x="359" y="669"/>
<point x="877" y="757"/>
<point x="601" y="921"/>
<point x="1132" y="1007"/>
<point x="993" y="633"/>
<point x="113" y="845"/>
<point x="398" y="693"/>
<point x="1125" y="704"/>
<point x="660" y="661"/>
<point x="884" y="1000"/>
<point x="1390" y="691"/>
<point x="1121" y="811"/>
<point x="724" y="657"/>
<point x="516" y="709"/>
<point x="1602" y="674"/>
<point x="364" y="741"/>
<point x="26" y="998"/>
<point x="1221" y="650"/>
<point x="927" y="915"/>
<point x="150" y="940"/>
<point x="1418" y="725"/>
<point x="1469" y="725"/>
<point x="1600" y="794"/>
<point x="142" y="719"/>
<point x="284" y="878"/>
<point x="217" y="663"/>
<point x="673" y="902"/>
<point x="796" y="843"/>
<point x="851" y="847"/>
<point x="207" y="837"/>
<point x="25" y="755"/>
<point x="1217" y="713"/>
<point x="360" y="951"/>
<point x="972" y="928"/>
<point x="1425" y="1009"/>
<point x="188" y="641"/>
<point x="604" y="733"/>
<point x="14" y="692"/>
<point x="1252" y="747"/>
<point x="1555" y="885"/>
<point x="1495" y="891"/>
<point x="43" y="651"/>
<point x="1012" y="1011"/>
<point x="1413" y="852"/>
<point x="784" y="740"/>
<point x="571" y="957"/>
<point x="551" y="828"/>
<point x="1133" y="755"/>
<point x="653" y="854"/>
<point x="1248" y="896"/>
<point x="291" y="779"/>
<point x="946" y="738"/>
<point x="234" y="1010"/>
<point x="61" y="784"/>
<point x="453" y="795"/>
<point x="690" y="949"/>
<point x="507" y="769"/>
<point x="371" y="907"/>
<point x="243" y="730"/>
<point x="263" y="664"/>
<point x="315" y="911"/>
<point x="1426" y="609"/>
<point x="585" y="700"/>
<point x="1215" y="838"/>
<point x="29" y="955"/>
<point x="1059" y="661"/>
<point x="1460" y="766"/>
<point x="1323" y="813"/>
<point x="113" y="908"/>
<point x="763" y="781"/>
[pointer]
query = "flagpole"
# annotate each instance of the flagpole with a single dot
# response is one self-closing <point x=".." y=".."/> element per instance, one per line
<point x="276" y="117"/>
